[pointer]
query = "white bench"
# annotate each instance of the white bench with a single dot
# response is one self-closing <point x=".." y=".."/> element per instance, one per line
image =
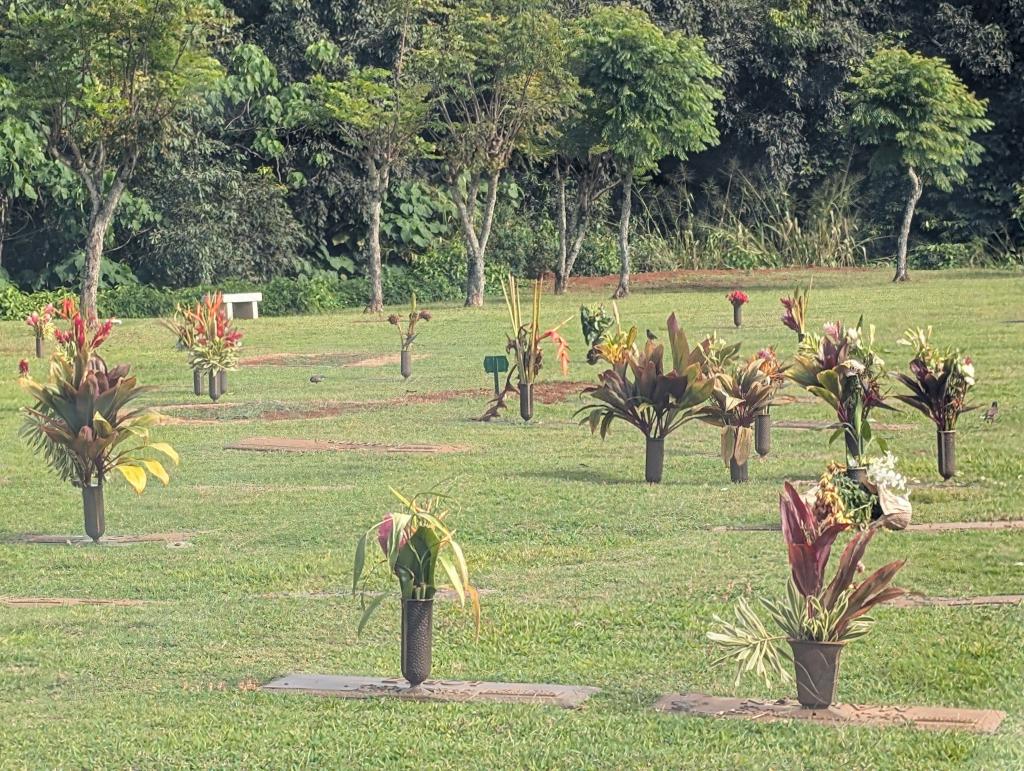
<point x="247" y="305"/>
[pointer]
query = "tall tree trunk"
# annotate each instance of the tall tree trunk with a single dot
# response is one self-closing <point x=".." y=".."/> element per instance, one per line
<point x="916" y="189"/>
<point x="476" y="240"/>
<point x="4" y="206"/>
<point x="99" y="223"/>
<point x="627" y="203"/>
<point x="378" y="183"/>
<point x="561" y="220"/>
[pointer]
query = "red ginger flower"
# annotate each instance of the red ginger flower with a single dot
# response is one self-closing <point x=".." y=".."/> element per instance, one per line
<point x="23" y="367"/>
<point x="737" y="297"/>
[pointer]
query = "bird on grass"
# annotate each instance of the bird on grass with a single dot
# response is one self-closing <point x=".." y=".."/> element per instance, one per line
<point x="991" y="413"/>
<point x="317" y="378"/>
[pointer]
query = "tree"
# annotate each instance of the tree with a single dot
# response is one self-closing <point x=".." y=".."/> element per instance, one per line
<point x="379" y="114"/>
<point x="920" y="117"/>
<point x="501" y="84"/>
<point x="117" y="74"/>
<point x="650" y="94"/>
<point x="23" y="159"/>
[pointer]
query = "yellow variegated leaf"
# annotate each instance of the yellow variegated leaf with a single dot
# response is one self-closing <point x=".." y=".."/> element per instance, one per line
<point x="165" y="449"/>
<point x="134" y="475"/>
<point x="156" y="468"/>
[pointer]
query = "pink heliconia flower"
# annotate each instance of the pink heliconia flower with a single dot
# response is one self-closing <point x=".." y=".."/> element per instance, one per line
<point x="833" y="329"/>
<point x="23" y="367"/>
<point x="32" y="319"/>
<point x="384" y="534"/>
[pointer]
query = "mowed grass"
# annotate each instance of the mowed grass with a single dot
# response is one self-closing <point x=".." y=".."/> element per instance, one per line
<point x="594" y="577"/>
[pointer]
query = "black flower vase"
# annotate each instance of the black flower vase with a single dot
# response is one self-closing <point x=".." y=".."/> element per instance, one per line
<point x="197" y="382"/>
<point x="763" y="432"/>
<point x="737" y="471"/>
<point x="947" y="453"/>
<point x="737" y="314"/>
<point x="526" y="400"/>
<point x="214" y="386"/>
<point x="94" y="510"/>
<point x="654" y="462"/>
<point x="406" y="363"/>
<point x="39" y="347"/>
<point x="417" y="639"/>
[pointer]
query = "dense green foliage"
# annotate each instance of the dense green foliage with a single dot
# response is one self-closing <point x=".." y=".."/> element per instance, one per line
<point x="271" y="174"/>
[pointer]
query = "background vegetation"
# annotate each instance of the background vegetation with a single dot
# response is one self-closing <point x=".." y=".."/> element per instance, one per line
<point x="270" y="173"/>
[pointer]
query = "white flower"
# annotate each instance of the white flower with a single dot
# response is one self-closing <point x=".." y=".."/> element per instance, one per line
<point x="853" y="336"/>
<point x="882" y="473"/>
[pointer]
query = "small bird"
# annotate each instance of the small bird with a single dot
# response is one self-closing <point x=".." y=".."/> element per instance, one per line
<point x="651" y="335"/>
<point x="992" y="413"/>
<point x="317" y="378"/>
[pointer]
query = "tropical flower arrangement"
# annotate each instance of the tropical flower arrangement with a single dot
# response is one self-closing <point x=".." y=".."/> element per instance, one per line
<point x="842" y="367"/>
<point x="183" y="325"/>
<point x="816" y="619"/>
<point x="407" y="333"/>
<point x="41" y="323"/>
<point x="596" y="323"/>
<point x="420" y="551"/>
<point x="794" y="315"/>
<point x="716" y="355"/>
<point x="736" y="400"/>
<point x="81" y="422"/>
<point x="215" y="343"/>
<point x="525" y="346"/>
<point x="939" y="382"/>
<point x="738" y="299"/>
<point x="881" y="495"/>
<point x="652" y="395"/>
<point x="615" y="346"/>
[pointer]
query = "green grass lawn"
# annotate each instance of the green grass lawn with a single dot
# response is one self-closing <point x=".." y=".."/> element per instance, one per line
<point x="594" y="577"/>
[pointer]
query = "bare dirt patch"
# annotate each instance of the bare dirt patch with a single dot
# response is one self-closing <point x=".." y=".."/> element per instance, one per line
<point x="838" y="715"/>
<point x="284" y="444"/>
<point x="338" y="359"/>
<point x="545" y="393"/>
<point x="923" y="601"/>
<point x="63" y="602"/>
<point x="822" y="425"/>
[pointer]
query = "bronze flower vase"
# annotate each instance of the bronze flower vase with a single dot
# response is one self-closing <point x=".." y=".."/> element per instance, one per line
<point x="94" y="510"/>
<point x="763" y="432"/>
<point x="214" y="386"/>
<point x="197" y="382"/>
<point x="737" y="314"/>
<point x="817" y="672"/>
<point x="406" y="362"/>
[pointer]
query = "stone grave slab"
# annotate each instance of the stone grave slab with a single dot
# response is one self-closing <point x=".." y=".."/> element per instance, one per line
<point x="355" y="687"/>
<point x="108" y="540"/>
<point x="838" y="715"/>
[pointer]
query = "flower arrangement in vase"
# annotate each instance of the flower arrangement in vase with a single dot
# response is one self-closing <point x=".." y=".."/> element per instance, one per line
<point x="738" y="299"/>
<point x="407" y="334"/>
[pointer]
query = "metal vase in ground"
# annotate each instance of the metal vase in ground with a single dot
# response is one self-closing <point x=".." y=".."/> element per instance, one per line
<point x="39" y="347"/>
<point x="737" y="314"/>
<point x="858" y="474"/>
<point x="817" y="672"/>
<point x="526" y="400"/>
<point x="222" y="381"/>
<point x="737" y="471"/>
<point x="654" y="460"/>
<point x="197" y="382"/>
<point x="214" y="386"/>
<point x="947" y="453"/>
<point x="417" y="639"/>
<point x="763" y="432"/>
<point x="406" y="363"/>
<point x="93" y="509"/>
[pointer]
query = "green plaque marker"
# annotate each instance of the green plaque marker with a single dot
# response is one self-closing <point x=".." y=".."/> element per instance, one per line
<point x="494" y="365"/>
